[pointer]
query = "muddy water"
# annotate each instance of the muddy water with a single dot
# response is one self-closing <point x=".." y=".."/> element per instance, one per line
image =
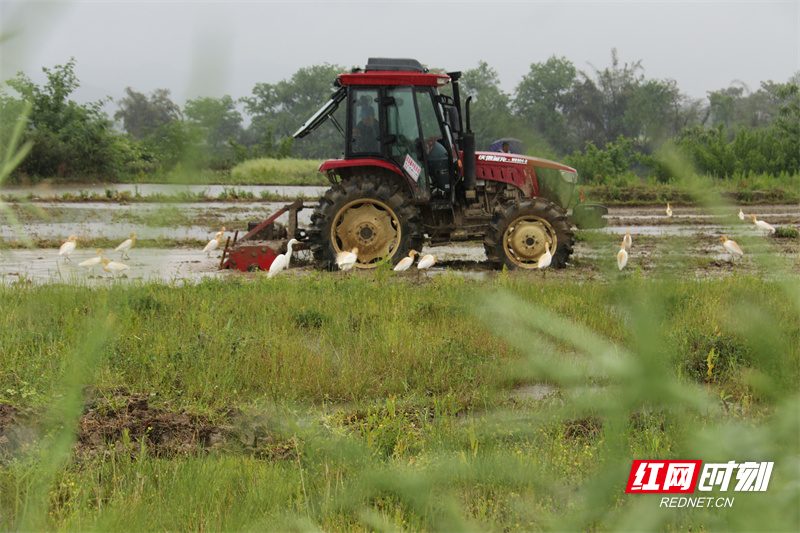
<point x="55" y="221"/>
<point x="210" y="191"/>
<point x="101" y="220"/>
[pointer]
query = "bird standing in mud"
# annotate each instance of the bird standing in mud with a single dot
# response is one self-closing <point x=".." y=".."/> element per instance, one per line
<point x="113" y="267"/>
<point x="627" y="241"/>
<point x="765" y="227"/>
<point x="731" y="247"/>
<point x="741" y="214"/>
<point x="669" y="210"/>
<point x="282" y="261"/>
<point x="406" y="262"/>
<point x="126" y="245"/>
<point x="68" y="247"/>
<point x="214" y="243"/>
<point x="622" y="256"/>
<point x="346" y="260"/>
<point x="94" y="261"/>
<point x="426" y="261"/>
<point x="545" y="259"/>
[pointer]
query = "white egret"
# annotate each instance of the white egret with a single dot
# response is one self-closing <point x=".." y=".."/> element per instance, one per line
<point x="741" y="214"/>
<point x="627" y="241"/>
<point x="426" y="261"/>
<point x="346" y="260"/>
<point x="126" y="245"/>
<point x="766" y="227"/>
<point x="406" y="262"/>
<point x="545" y="259"/>
<point x="94" y="261"/>
<point x="669" y="210"/>
<point x="68" y="247"/>
<point x="731" y="247"/>
<point x="114" y="267"/>
<point x="213" y="244"/>
<point x="282" y="261"/>
<point x="622" y="256"/>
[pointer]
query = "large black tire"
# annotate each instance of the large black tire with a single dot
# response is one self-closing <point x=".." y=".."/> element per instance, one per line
<point x="370" y="213"/>
<point x="518" y="231"/>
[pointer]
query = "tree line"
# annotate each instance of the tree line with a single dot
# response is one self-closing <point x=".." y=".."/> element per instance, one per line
<point x="609" y="124"/>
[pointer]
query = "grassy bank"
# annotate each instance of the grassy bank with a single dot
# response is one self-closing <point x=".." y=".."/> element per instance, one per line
<point x="374" y="402"/>
<point x="634" y="195"/>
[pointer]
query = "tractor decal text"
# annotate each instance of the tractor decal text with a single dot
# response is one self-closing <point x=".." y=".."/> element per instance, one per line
<point x="502" y="159"/>
<point x="412" y="167"/>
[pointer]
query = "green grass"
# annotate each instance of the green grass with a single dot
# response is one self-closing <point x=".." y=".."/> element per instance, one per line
<point x="278" y="172"/>
<point x="374" y="402"/>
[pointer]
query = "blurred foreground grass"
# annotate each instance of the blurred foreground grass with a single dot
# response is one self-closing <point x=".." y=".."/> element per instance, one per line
<point x="375" y="403"/>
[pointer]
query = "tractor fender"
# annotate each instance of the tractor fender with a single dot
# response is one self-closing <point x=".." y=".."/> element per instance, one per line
<point x="339" y="165"/>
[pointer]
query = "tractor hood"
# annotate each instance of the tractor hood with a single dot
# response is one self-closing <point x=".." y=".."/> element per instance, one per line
<point x="533" y="175"/>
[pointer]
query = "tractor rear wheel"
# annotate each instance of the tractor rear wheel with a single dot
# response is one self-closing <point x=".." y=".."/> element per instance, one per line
<point x="369" y="213"/>
<point x="518" y="232"/>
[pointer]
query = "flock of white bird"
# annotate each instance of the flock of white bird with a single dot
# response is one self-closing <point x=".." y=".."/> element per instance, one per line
<point x="730" y="246"/>
<point x="347" y="260"/>
<point x="112" y="267"/>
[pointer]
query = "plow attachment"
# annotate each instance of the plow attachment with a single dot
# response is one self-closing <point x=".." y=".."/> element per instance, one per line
<point x="264" y="241"/>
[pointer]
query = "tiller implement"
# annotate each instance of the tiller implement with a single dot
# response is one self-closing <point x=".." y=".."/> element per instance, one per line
<point x="263" y="242"/>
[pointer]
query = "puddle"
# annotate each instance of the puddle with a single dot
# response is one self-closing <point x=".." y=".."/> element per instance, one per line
<point x="174" y="265"/>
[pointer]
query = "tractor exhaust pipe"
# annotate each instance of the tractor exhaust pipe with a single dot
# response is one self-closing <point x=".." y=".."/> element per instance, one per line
<point x="468" y="139"/>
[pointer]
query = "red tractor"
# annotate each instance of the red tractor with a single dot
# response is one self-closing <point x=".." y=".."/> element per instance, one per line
<point x="410" y="172"/>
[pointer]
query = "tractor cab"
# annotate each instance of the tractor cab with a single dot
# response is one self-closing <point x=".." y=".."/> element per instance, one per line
<point x="397" y="120"/>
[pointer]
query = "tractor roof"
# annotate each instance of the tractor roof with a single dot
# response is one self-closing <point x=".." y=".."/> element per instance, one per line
<point x="386" y="71"/>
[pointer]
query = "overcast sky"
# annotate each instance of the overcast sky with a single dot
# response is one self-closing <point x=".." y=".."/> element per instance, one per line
<point x="216" y="48"/>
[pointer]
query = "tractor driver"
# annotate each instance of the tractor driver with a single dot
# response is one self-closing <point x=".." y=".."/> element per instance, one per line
<point x="366" y="132"/>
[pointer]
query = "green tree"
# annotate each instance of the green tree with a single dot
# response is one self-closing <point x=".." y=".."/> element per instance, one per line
<point x="142" y="115"/>
<point x="542" y="97"/>
<point x="490" y="110"/>
<point x="218" y="122"/>
<point x="653" y="113"/>
<point x="722" y="106"/>
<point x="618" y="85"/>
<point x="280" y="109"/>
<point x="69" y="139"/>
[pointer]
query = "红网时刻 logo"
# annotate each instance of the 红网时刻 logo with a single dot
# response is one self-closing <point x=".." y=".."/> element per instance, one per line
<point x="667" y="477"/>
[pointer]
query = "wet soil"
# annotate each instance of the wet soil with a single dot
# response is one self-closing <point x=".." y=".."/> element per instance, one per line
<point x="120" y="422"/>
<point x="688" y="243"/>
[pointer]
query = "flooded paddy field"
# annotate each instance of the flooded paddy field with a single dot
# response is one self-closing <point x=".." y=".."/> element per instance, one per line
<point x="170" y="238"/>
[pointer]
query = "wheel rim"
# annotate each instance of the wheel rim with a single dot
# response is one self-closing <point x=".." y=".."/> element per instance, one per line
<point x="524" y="240"/>
<point x="369" y="225"/>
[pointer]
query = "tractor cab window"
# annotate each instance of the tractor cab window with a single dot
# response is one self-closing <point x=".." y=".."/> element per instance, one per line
<point x="434" y="144"/>
<point x="365" y="131"/>
<point x="405" y="144"/>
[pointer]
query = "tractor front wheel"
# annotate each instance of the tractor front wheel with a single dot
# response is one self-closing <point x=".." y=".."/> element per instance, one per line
<point x="518" y="232"/>
<point x="368" y="213"/>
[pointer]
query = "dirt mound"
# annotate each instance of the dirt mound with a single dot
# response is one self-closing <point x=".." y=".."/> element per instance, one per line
<point x="128" y="420"/>
<point x="121" y="422"/>
<point x="129" y="424"/>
